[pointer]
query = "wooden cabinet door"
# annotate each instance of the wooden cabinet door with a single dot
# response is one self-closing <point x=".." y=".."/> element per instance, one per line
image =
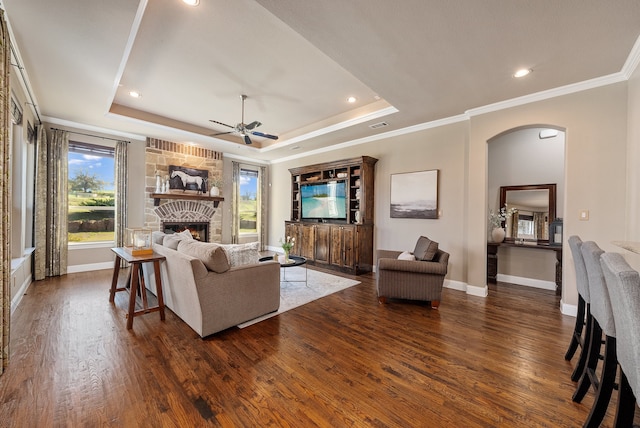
<point x="322" y="243"/>
<point x="307" y="241"/>
<point x="293" y="230"/>
<point x="343" y="246"/>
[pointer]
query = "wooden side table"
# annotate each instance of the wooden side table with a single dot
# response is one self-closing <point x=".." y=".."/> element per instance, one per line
<point x="136" y="283"/>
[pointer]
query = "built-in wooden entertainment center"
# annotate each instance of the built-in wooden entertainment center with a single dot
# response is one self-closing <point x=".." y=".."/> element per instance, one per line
<point x="330" y="235"/>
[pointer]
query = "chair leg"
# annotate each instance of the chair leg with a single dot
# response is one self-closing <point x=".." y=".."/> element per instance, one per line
<point x="577" y="330"/>
<point x="626" y="403"/>
<point x="593" y="352"/>
<point x="435" y="304"/>
<point x="584" y="352"/>
<point x="382" y="300"/>
<point x="604" y="386"/>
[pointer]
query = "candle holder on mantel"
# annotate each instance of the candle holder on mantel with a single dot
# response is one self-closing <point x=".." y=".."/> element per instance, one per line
<point x="138" y="241"/>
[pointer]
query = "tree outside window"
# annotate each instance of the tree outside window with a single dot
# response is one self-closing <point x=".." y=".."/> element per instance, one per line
<point x="91" y="193"/>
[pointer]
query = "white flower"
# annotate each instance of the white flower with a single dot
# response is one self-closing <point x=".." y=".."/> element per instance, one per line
<point x="496" y="219"/>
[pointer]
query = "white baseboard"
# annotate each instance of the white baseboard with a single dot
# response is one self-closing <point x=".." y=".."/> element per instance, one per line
<point x="89" y="267"/>
<point x="529" y="282"/>
<point x="455" y="285"/>
<point x="20" y="293"/>
<point x="566" y="309"/>
<point x="477" y="291"/>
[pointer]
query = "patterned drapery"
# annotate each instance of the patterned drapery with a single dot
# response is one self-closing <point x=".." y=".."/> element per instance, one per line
<point x="235" y="215"/>
<point x="51" y="207"/>
<point x="541" y="225"/>
<point x="121" y="177"/>
<point x="262" y="221"/>
<point x="5" y="197"/>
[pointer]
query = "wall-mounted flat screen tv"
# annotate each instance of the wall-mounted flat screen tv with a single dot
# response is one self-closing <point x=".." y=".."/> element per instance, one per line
<point x="324" y="201"/>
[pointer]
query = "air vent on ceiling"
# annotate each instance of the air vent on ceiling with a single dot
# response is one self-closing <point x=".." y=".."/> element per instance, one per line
<point x="378" y="125"/>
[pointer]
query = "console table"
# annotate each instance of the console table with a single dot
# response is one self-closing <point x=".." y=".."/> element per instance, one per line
<point x="492" y="259"/>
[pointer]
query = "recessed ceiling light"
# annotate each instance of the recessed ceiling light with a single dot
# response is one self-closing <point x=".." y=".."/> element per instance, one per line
<point x="352" y="99"/>
<point x="191" y="2"/>
<point x="522" y="72"/>
<point x="135" y="94"/>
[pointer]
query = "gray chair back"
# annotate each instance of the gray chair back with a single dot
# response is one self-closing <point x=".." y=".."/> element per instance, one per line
<point x="623" y="284"/>
<point x="600" y="303"/>
<point x="582" y="282"/>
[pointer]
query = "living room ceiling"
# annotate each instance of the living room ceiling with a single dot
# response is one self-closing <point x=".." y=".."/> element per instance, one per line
<point x="407" y="63"/>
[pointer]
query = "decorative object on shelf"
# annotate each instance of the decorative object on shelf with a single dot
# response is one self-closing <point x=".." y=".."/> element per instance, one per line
<point x="498" y="234"/>
<point x="357" y="215"/>
<point x="341" y="175"/>
<point x="497" y="220"/>
<point x="287" y="245"/>
<point x="158" y="182"/>
<point x="183" y="178"/>
<point x="313" y="178"/>
<point x="414" y="195"/>
<point x="215" y="183"/>
<point x="555" y="232"/>
<point x="138" y="241"/>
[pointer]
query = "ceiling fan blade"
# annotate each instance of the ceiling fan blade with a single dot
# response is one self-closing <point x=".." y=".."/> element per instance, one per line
<point x="252" y="125"/>
<point x="261" y="134"/>
<point x="220" y="133"/>
<point x="247" y="140"/>
<point x="220" y="123"/>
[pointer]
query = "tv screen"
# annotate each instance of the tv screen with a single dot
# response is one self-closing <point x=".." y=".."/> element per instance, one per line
<point x="324" y="200"/>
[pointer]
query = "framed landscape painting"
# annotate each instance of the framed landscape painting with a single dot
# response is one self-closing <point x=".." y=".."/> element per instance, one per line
<point x="414" y="195"/>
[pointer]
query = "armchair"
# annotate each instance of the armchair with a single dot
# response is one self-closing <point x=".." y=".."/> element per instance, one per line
<point x="410" y="279"/>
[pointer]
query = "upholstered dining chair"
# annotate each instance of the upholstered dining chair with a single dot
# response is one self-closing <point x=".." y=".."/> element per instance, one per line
<point x="420" y="278"/>
<point x="623" y="285"/>
<point x="584" y="313"/>
<point x="601" y="323"/>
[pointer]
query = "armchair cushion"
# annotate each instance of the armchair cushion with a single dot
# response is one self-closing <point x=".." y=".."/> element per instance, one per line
<point x="425" y="249"/>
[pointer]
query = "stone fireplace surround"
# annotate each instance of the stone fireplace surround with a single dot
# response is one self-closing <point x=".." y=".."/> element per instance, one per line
<point x="159" y="155"/>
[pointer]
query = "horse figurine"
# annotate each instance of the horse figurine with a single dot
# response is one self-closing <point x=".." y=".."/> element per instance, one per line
<point x="188" y="179"/>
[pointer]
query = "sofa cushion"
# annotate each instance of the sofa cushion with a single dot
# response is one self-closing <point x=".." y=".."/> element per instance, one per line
<point x="212" y="255"/>
<point x="426" y="249"/>
<point x="406" y="255"/>
<point x="242" y="254"/>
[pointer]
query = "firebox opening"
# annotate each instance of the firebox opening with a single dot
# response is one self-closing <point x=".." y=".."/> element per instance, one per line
<point x="199" y="230"/>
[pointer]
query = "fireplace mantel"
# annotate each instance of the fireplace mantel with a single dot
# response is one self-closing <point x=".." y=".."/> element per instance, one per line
<point x="185" y="196"/>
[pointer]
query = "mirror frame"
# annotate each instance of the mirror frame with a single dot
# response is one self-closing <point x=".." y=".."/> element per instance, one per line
<point x="552" y="199"/>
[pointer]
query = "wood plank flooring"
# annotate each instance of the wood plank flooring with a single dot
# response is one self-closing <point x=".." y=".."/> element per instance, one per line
<point x="343" y="360"/>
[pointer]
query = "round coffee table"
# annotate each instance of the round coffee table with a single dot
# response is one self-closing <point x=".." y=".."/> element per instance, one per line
<point x="294" y="261"/>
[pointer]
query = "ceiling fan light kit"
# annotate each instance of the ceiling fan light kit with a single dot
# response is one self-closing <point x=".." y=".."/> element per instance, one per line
<point x="244" y="130"/>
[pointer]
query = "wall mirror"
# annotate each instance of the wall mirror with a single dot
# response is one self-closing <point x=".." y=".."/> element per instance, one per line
<point x="535" y="206"/>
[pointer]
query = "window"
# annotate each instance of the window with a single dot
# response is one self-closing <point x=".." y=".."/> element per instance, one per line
<point x="91" y="193"/>
<point x="248" y="203"/>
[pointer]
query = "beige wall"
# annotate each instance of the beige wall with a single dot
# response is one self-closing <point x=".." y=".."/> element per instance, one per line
<point x="633" y="161"/>
<point x="595" y="178"/>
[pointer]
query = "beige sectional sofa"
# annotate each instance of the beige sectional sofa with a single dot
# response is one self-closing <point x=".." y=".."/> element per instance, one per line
<point x="213" y="287"/>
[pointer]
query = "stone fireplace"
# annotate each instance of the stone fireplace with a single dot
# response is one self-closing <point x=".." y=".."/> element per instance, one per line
<point x="182" y="210"/>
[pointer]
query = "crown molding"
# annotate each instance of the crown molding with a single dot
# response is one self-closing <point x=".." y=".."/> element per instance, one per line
<point x="632" y="61"/>
<point x="63" y="122"/>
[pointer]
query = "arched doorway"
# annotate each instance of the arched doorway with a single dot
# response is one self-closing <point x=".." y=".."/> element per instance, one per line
<point x="526" y="156"/>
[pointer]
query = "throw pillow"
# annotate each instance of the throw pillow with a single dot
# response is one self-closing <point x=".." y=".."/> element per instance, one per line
<point x="185" y="234"/>
<point x="171" y="241"/>
<point x="212" y="255"/>
<point x="157" y="237"/>
<point x="406" y="255"/>
<point x="426" y="249"/>
<point x="242" y="254"/>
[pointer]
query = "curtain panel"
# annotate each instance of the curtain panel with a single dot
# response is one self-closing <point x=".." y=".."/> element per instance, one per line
<point x="235" y="215"/>
<point x="121" y="178"/>
<point x="51" y="207"/>
<point x="5" y="196"/>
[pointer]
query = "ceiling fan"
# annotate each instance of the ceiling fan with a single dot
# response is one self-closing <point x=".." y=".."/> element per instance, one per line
<point x="244" y="129"/>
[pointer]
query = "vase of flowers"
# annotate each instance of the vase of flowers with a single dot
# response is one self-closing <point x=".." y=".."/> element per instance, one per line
<point x="496" y="220"/>
<point x="287" y="245"/>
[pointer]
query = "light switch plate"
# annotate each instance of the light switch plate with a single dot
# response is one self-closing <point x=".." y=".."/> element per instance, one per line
<point x="584" y="215"/>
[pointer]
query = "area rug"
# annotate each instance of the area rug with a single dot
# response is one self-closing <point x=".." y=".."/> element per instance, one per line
<point x="295" y="292"/>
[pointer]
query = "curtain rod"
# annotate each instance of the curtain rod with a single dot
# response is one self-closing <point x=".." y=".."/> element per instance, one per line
<point x="24" y="80"/>
<point x="90" y="135"/>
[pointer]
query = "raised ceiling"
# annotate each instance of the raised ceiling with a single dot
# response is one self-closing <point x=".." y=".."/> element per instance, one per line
<point x="407" y="63"/>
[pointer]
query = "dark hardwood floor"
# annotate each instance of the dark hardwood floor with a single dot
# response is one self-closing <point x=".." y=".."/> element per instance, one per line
<point x="343" y="360"/>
